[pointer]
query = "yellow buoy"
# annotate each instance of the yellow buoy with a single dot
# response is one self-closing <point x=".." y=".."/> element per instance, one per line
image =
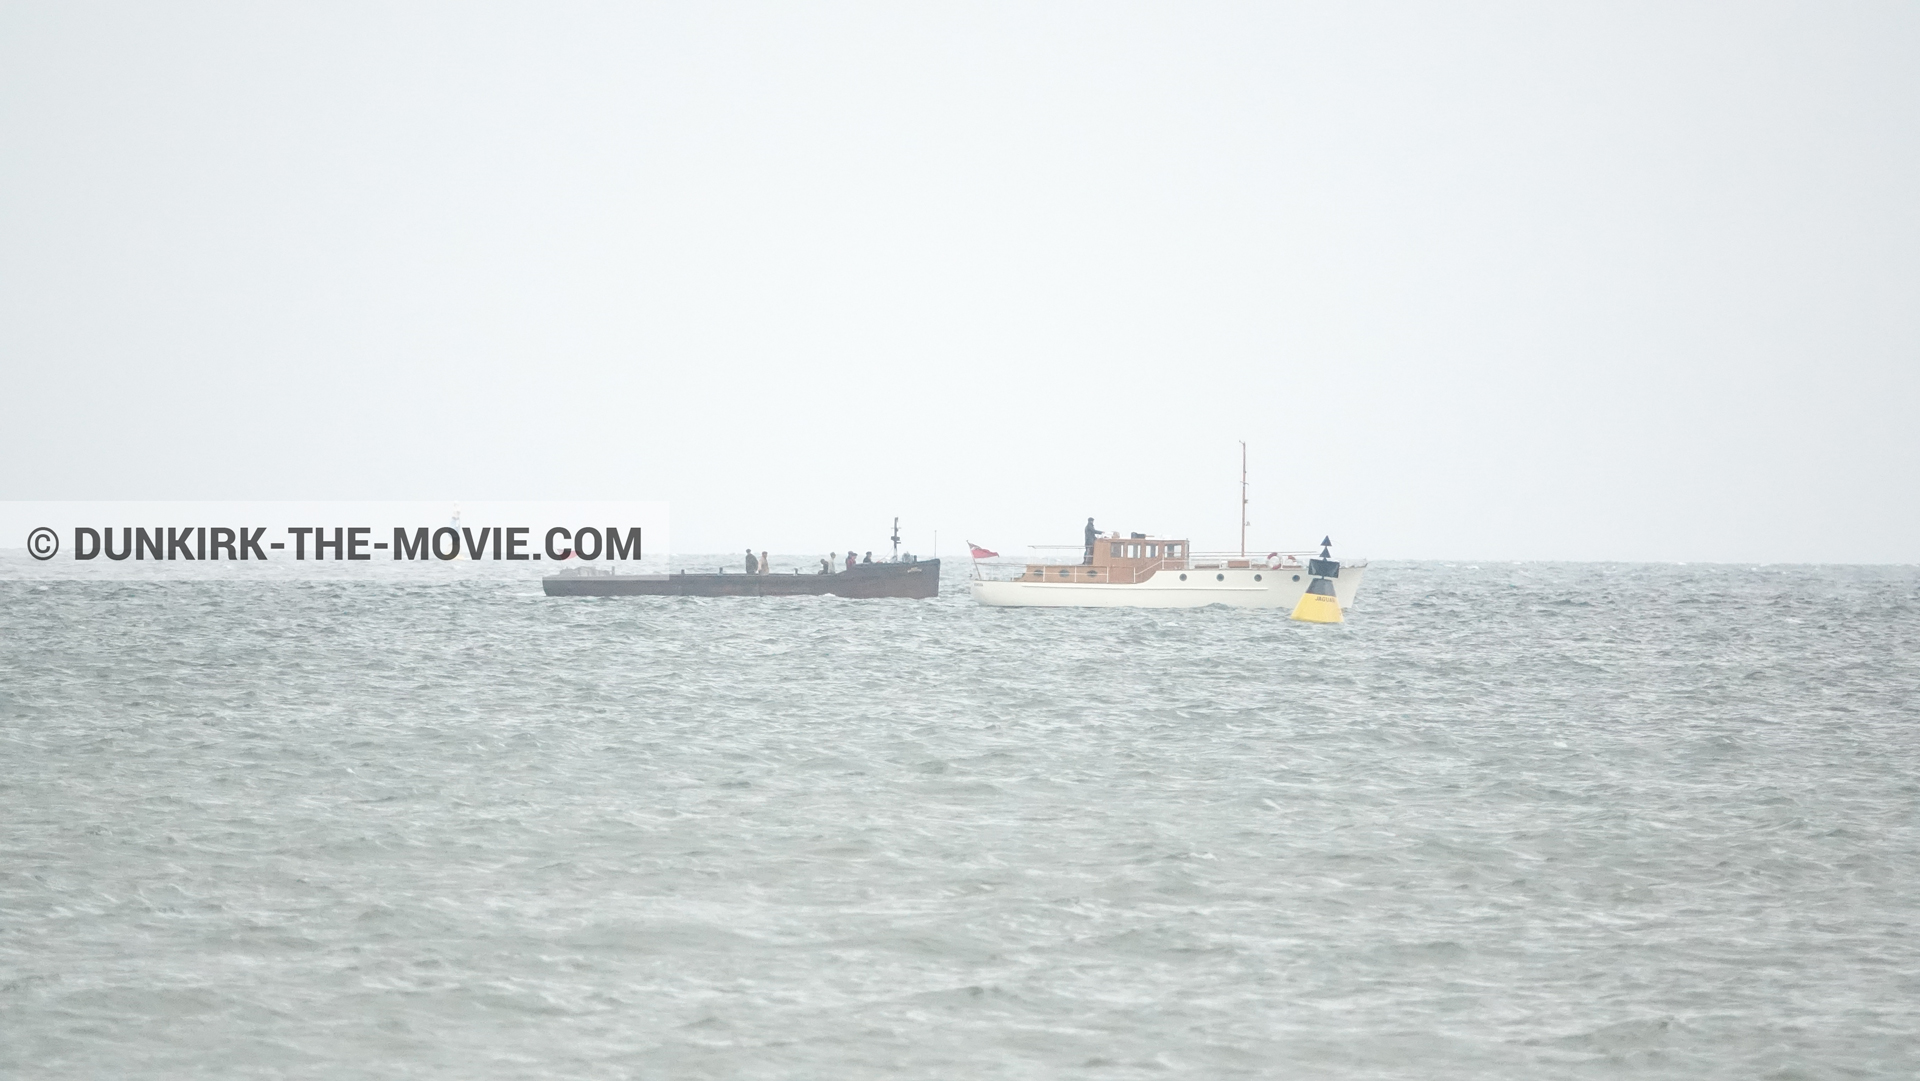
<point x="1318" y="604"/>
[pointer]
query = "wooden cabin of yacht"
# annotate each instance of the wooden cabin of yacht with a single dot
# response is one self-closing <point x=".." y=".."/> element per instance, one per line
<point x="1128" y="560"/>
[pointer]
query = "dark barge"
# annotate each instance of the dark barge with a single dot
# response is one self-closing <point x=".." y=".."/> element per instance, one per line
<point x="918" y="579"/>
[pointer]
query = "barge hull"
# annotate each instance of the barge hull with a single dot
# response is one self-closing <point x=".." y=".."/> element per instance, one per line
<point x="865" y="581"/>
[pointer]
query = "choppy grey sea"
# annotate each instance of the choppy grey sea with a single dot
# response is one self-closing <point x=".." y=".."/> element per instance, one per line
<point x="1509" y="821"/>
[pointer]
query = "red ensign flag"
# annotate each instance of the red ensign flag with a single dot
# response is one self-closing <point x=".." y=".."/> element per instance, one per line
<point x="981" y="553"/>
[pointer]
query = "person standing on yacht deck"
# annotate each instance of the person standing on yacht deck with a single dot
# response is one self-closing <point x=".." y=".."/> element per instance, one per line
<point x="753" y="565"/>
<point x="766" y="565"/>
<point x="1092" y="535"/>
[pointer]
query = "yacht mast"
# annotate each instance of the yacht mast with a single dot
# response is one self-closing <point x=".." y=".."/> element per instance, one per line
<point x="1243" y="499"/>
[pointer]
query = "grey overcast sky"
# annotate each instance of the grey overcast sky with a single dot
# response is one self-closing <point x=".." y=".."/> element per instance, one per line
<point x="1533" y="281"/>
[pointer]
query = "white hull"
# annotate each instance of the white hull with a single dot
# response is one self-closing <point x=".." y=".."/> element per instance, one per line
<point x="1253" y="587"/>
